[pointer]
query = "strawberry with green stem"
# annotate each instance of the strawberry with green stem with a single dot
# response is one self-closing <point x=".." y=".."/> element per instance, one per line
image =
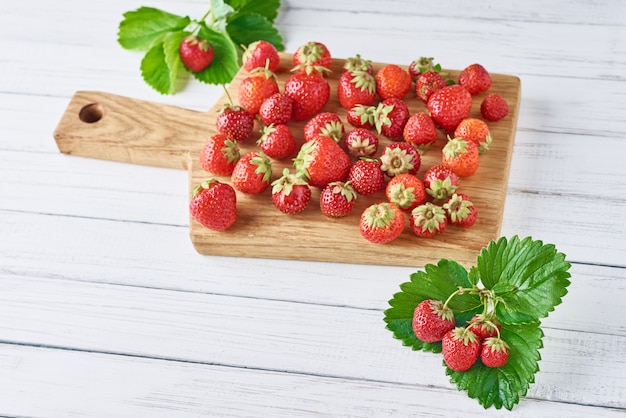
<point x="432" y="319"/>
<point x="337" y="199"/>
<point x="406" y="191"/>
<point x="252" y="173"/>
<point x="358" y="63"/>
<point x="277" y="141"/>
<point x="461" y="156"/>
<point x="366" y="177"/>
<point x="235" y="122"/>
<point x="326" y="123"/>
<point x="440" y="182"/>
<point x="260" y="54"/>
<point x="428" y="220"/>
<point x="290" y="193"/>
<point x="356" y="88"/>
<point x="381" y="223"/>
<point x="255" y="88"/>
<point x="460" y="348"/>
<point x="361" y="142"/>
<point x="214" y="205"/>
<point x="312" y="54"/>
<point x="400" y="158"/>
<point x="361" y="116"/>
<point x="219" y="155"/>
<point x="323" y="161"/>
<point x="309" y="92"/>
<point x="195" y="53"/>
<point x="460" y="210"/>
<point x="494" y="352"/>
<point x="390" y="118"/>
<point x="475" y="130"/>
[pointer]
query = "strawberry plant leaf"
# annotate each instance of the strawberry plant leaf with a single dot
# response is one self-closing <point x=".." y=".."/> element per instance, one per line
<point x="142" y="28"/>
<point x="247" y="28"/>
<point x="225" y="61"/>
<point x="155" y="71"/>
<point x="531" y="278"/>
<point x="267" y="8"/>
<point x="504" y="386"/>
<point x="435" y="282"/>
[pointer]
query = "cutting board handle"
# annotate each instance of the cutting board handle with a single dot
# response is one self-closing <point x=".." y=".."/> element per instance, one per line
<point x="110" y="127"/>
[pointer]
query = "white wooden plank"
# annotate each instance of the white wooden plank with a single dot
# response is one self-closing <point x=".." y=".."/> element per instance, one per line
<point x="275" y="335"/>
<point x="49" y="382"/>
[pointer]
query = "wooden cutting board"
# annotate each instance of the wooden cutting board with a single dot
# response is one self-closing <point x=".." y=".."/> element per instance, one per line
<point x="110" y="127"/>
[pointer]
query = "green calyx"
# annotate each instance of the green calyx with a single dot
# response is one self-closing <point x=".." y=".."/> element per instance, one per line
<point x="231" y="151"/>
<point x="305" y="156"/>
<point x="357" y="63"/>
<point x="401" y="195"/>
<point x="381" y="116"/>
<point x="344" y="189"/>
<point x="366" y="114"/>
<point x="264" y="165"/>
<point x="287" y="181"/>
<point x="455" y="147"/>
<point x="429" y="216"/>
<point x="441" y="189"/>
<point x="458" y="208"/>
<point x="441" y="310"/>
<point x="396" y="161"/>
<point x="379" y="216"/>
<point x="363" y="81"/>
<point x="464" y="335"/>
<point x="205" y="185"/>
<point x="333" y="129"/>
<point x="484" y="145"/>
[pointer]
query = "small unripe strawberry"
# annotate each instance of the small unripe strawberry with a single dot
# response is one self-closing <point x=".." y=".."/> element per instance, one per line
<point x="494" y="352"/>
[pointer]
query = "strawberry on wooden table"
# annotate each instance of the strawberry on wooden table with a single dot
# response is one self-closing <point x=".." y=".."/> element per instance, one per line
<point x="428" y="220"/>
<point x="392" y="81"/>
<point x="195" y="53"/>
<point x="460" y="348"/>
<point x="420" y="131"/>
<point x="366" y="176"/>
<point x="358" y="63"/>
<point x="361" y="116"/>
<point x="290" y="193"/>
<point x="214" y="205"/>
<point x="312" y="54"/>
<point x="449" y="106"/>
<point x="260" y="54"/>
<point x="494" y="107"/>
<point x="460" y="210"/>
<point x="323" y="161"/>
<point x="276" y="109"/>
<point x="219" y="155"/>
<point x="440" y="182"/>
<point x="406" y="191"/>
<point x="400" y="158"/>
<point x="475" y="130"/>
<point x="326" y="123"/>
<point x="475" y="78"/>
<point x="390" y="118"/>
<point x="255" y="88"/>
<point x="432" y="320"/>
<point x="356" y="87"/>
<point x="381" y="223"/>
<point x="337" y="199"/>
<point x="252" y="173"/>
<point x="428" y="83"/>
<point x="309" y="92"/>
<point x="277" y="141"/>
<point x="235" y="122"/>
<point x="461" y="156"/>
<point x="361" y="142"/>
<point x="420" y="65"/>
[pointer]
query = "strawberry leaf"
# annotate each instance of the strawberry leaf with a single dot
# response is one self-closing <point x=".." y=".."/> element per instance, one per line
<point x="225" y="62"/>
<point x="247" y="28"/>
<point x="435" y="282"/>
<point x="503" y="386"/>
<point x="155" y="71"/>
<point x="531" y="278"/>
<point x="267" y="8"/>
<point x="142" y="28"/>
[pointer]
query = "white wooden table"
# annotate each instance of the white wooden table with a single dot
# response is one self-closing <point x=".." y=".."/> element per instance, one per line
<point x="106" y="309"/>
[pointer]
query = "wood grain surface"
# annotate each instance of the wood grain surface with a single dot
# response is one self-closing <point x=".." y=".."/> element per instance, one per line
<point x="111" y="127"/>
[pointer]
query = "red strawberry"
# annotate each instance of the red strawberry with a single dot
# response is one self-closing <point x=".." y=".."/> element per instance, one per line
<point x="356" y="87"/>
<point x="235" y="122"/>
<point x="214" y="205"/>
<point x="391" y="115"/>
<point x="312" y="54"/>
<point x="323" y="161"/>
<point x="357" y="63"/>
<point x="420" y="66"/>
<point x="361" y="143"/>
<point x="475" y="130"/>
<point x="277" y="141"/>
<point x="361" y="116"/>
<point x="428" y="220"/>
<point x="494" y="107"/>
<point x="420" y="131"/>
<point x="255" y="88"/>
<point x="428" y="83"/>
<point x="440" y="182"/>
<point x="309" y="93"/>
<point x="381" y="223"/>
<point x="195" y="53"/>
<point x="460" y="210"/>
<point x="366" y="176"/>
<point x="475" y="78"/>
<point x="290" y="193"/>
<point x="400" y="158"/>
<point x="253" y="173"/>
<point x="461" y="156"/>
<point x="485" y="326"/>
<point x="406" y="191"/>
<point x="326" y="123"/>
<point x="432" y="320"/>
<point x="219" y="155"/>
<point x="260" y="54"/>
<point x="449" y="106"/>
<point x="392" y="81"/>
<point x="337" y="199"/>
<point x="494" y="352"/>
<point x="460" y="348"/>
<point x="276" y="109"/>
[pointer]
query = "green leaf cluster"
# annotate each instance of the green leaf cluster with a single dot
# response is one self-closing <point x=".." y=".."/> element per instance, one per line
<point x="228" y="25"/>
<point x="525" y="278"/>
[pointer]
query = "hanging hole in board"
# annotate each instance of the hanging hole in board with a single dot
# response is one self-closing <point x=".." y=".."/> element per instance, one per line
<point x="91" y="113"/>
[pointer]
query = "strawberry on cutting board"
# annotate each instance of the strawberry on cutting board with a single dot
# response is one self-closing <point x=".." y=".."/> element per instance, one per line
<point x="214" y="205"/>
<point x="323" y="161"/>
<point x="309" y="92"/>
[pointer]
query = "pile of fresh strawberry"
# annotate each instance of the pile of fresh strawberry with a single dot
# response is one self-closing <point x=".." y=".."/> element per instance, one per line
<point x="376" y="151"/>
